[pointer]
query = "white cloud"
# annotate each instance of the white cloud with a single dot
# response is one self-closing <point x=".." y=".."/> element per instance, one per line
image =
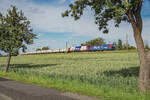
<point x="48" y="18"/>
<point x="63" y="1"/>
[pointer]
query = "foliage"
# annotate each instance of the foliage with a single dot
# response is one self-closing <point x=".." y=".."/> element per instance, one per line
<point x="120" y="46"/>
<point x="115" y="44"/>
<point x="111" y="75"/>
<point x="131" y="47"/>
<point x="97" y="41"/>
<point x="146" y="46"/>
<point x="24" y="48"/>
<point x="104" y="11"/>
<point x="38" y="49"/>
<point x="1" y="55"/>
<point x="15" y="52"/>
<point x="124" y="46"/>
<point x="15" y="31"/>
<point x="45" y="48"/>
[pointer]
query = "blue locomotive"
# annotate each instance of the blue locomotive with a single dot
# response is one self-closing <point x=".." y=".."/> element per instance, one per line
<point x="95" y="48"/>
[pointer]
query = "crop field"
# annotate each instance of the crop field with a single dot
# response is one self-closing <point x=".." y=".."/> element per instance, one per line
<point x="105" y="75"/>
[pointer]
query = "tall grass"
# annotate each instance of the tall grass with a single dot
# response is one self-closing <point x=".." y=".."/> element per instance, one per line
<point x="106" y="75"/>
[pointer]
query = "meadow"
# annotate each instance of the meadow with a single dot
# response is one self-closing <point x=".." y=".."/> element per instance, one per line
<point x="106" y="75"/>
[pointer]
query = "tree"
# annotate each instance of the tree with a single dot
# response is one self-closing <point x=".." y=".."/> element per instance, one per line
<point x="129" y="47"/>
<point x="45" y="48"/>
<point x="120" y="46"/>
<point x="115" y="44"/>
<point x="146" y="46"/>
<point x="38" y="49"/>
<point x="1" y="55"/>
<point x="97" y="41"/>
<point x="15" y="52"/>
<point x="119" y="11"/>
<point x="132" y="47"/>
<point x="24" y="48"/>
<point x="124" y="46"/>
<point x="15" y="32"/>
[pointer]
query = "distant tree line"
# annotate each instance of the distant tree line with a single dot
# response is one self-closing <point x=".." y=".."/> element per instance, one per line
<point x="122" y="46"/>
<point x="96" y="41"/>
<point x="146" y="46"/>
<point x="43" y="48"/>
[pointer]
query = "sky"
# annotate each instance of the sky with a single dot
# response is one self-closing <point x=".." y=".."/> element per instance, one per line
<point x="54" y="31"/>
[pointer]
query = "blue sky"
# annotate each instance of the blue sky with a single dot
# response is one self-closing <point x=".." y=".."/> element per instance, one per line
<point x="54" y="31"/>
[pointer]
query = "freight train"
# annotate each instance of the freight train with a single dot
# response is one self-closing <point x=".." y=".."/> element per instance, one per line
<point x="76" y="49"/>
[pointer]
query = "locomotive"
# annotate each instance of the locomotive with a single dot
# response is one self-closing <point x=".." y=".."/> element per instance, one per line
<point x="95" y="48"/>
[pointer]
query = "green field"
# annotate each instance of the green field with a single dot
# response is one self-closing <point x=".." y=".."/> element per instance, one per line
<point x="106" y="75"/>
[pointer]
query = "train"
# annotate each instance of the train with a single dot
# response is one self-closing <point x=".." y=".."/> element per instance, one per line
<point x="90" y="48"/>
<point x="95" y="48"/>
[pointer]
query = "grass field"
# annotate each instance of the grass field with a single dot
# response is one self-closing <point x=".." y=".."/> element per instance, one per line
<point x="105" y="75"/>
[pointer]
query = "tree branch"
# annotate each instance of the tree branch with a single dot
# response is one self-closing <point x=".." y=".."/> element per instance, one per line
<point x="139" y="7"/>
<point x="132" y="19"/>
<point x="127" y="1"/>
<point x="135" y="18"/>
<point x="139" y="22"/>
<point x="138" y="17"/>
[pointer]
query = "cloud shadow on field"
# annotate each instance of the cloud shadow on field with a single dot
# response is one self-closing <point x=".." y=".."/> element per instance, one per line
<point x="125" y="72"/>
<point x="4" y="79"/>
<point x="14" y="66"/>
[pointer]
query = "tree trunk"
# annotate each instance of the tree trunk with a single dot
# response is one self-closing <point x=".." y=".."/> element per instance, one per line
<point x="144" y="74"/>
<point x="137" y="25"/>
<point x="148" y="54"/>
<point x="8" y="62"/>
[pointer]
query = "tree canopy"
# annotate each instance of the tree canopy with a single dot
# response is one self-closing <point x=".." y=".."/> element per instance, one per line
<point x="15" y="30"/>
<point x="38" y="49"/>
<point x="120" y="46"/>
<point x="15" y="52"/>
<point x="45" y="48"/>
<point x="96" y="41"/>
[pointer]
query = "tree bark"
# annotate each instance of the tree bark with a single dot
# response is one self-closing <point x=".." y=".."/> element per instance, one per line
<point x="144" y="74"/>
<point x="8" y="62"/>
<point x="148" y="54"/>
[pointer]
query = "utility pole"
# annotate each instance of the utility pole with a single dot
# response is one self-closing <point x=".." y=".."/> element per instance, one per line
<point x="66" y="47"/>
<point x="127" y="41"/>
